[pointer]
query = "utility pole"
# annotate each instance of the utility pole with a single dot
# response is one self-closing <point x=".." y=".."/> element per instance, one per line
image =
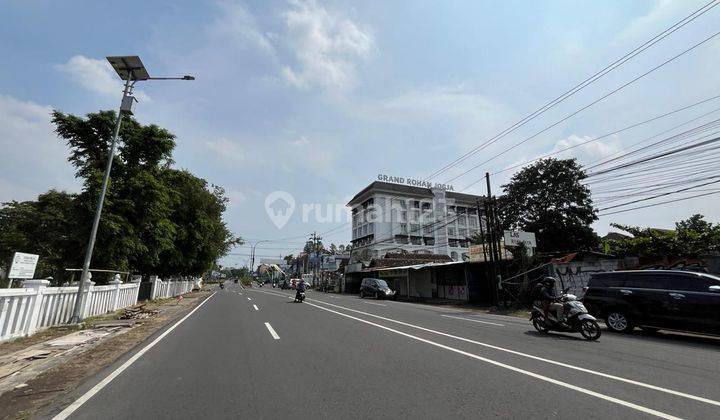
<point x="316" y="247"/>
<point x="491" y="229"/>
<point x="482" y="230"/>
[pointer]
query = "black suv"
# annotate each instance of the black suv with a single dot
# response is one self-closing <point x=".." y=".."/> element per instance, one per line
<point x="655" y="299"/>
<point x="376" y="288"/>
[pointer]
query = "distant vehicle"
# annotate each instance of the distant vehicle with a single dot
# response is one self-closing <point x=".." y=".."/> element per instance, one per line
<point x="576" y="318"/>
<point x="655" y="299"/>
<point x="376" y="288"/>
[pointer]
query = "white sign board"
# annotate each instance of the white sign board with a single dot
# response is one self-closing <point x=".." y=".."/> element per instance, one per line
<point x="516" y="237"/>
<point x="23" y="266"/>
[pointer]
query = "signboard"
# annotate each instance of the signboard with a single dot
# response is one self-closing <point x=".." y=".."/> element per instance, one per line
<point x="477" y="254"/>
<point x="414" y="182"/>
<point x="516" y="237"/>
<point x="23" y="266"/>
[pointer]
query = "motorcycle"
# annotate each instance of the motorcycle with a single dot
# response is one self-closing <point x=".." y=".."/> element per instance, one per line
<point x="577" y="318"/>
<point x="222" y="286"/>
<point x="299" y="297"/>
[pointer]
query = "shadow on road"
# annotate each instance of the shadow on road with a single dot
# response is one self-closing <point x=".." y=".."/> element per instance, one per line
<point x="672" y="337"/>
<point x="556" y="335"/>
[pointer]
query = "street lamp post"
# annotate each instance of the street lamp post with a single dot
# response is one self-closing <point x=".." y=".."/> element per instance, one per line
<point x="252" y="254"/>
<point x="131" y="70"/>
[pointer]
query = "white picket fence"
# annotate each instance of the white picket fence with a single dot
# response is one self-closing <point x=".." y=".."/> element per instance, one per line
<point x="36" y="306"/>
<point x="166" y="289"/>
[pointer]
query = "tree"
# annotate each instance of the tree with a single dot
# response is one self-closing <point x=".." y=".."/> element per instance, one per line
<point x="691" y="237"/>
<point x="45" y="227"/>
<point x="289" y="259"/>
<point x="333" y="249"/>
<point x="155" y="219"/>
<point x="549" y="199"/>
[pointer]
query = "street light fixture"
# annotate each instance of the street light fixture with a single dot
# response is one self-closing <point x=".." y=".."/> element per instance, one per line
<point x="131" y="70"/>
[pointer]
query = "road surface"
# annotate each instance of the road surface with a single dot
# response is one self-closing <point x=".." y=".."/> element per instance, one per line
<point x="256" y="354"/>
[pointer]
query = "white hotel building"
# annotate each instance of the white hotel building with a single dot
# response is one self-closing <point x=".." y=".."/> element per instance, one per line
<point x="388" y="217"/>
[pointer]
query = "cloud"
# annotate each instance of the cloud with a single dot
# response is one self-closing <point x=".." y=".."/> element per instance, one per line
<point x="226" y="149"/>
<point x="235" y="197"/>
<point x="302" y="141"/>
<point x="96" y="76"/>
<point x="240" y="26"/>
<point x="33" y="158"/>
<point x="587" y="153"/>
<point x="326" y="47"/>
<point x="662" y="12"/>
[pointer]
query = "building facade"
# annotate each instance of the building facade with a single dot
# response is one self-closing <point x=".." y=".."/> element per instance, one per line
<point x="388" y="217"/>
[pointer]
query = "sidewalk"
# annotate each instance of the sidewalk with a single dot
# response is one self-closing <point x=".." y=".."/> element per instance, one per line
<point x="39" y="370"/>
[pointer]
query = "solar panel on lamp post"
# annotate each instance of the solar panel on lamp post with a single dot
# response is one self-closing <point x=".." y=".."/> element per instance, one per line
<point x="131" y="70"/>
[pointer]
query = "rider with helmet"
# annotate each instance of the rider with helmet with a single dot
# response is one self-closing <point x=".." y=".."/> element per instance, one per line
<point x="549" y="299"/>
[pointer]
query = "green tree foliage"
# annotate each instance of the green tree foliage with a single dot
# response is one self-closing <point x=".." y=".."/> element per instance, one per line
<point x="691" y="237"/>
<point x="155" y="220"/>
<point x="548" y="198"/>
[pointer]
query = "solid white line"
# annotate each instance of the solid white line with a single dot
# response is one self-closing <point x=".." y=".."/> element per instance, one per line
<point x="102" y="384"/>
<point x="473" y="320"/>
<point x="256" y="308"/>
<point x="272" y="331"/>
<point x="541" y="359"/>
<point x="509" y="367"/>
<point x="376" y="304"/>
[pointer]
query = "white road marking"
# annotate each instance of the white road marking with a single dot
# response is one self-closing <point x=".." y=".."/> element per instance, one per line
<point x="376" y="304"/>
<point x="102" y="384"/>
<point x="473" y="320"/>
<point x="249" y="299"/>
<point x="509" y="367"/>
<point x="272" y="331"/>
<point x="239" y="293"/>
<point x="541" y="359"/>
<point x="256" y="308"/>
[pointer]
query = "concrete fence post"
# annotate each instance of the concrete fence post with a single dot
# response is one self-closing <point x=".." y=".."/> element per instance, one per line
<point x="155" y="284"/>
<point x="34" y="312"/>
<point x="116" y="293"/>
<point x="87" y="303"/>
<point x="136" y="280"/>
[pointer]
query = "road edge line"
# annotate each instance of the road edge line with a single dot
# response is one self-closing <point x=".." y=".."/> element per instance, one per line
<point x="70" y="409"/>
<point x="530" y="356"/>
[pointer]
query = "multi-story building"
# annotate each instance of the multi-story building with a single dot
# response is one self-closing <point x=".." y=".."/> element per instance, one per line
<point x="389" y="217"/>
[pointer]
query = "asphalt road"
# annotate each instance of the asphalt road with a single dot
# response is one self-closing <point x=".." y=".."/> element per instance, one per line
<point x="256" y="354"/>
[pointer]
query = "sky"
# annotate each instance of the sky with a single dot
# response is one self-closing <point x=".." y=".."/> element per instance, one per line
<point x="315" y="98"/>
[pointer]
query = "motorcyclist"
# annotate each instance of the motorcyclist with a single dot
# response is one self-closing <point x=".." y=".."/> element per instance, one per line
<point x="549" y="299"/>
<point x="300" y="288"/>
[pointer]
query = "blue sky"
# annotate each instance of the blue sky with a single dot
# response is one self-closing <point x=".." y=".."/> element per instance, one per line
<point x="316" y="98"/>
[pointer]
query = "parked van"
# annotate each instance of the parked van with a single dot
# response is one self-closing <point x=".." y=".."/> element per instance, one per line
<point x="655" y="299"/>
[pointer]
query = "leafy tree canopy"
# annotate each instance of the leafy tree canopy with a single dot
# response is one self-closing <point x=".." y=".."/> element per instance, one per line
<point x="549" y="199"/>
<point x="155" y="220"/>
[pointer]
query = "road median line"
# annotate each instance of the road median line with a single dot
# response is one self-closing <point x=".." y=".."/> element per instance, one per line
<point x="272" y="331"/>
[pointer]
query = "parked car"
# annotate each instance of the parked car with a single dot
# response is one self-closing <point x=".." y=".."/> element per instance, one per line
<point x="655" y="299"/>
<point x="376" y="288"/>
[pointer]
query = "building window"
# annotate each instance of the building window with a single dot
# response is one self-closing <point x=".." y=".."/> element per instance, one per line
<point x="416" y="240"/>
<point x="473" y="222"/>
<point x="461" y="210"/>
<point x="426" y="206"/>
<point x="462" y="232"/>
<point x="414" y="228"/>
<point x="401" y="239"/>
<point x="463" y="244"/>
<point x="415" y="204"/>
<point x="453" y="243"/>
<point x="454" y="256"/>
<point x="403" y="228"/>
<point x="462" y="221"/>
<point x="364" y="230"/>
<point x="429" y="241"/>
<point x="371" y="227"/>
<point x="451" y="231"/>
<point x="451" y="209"/>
